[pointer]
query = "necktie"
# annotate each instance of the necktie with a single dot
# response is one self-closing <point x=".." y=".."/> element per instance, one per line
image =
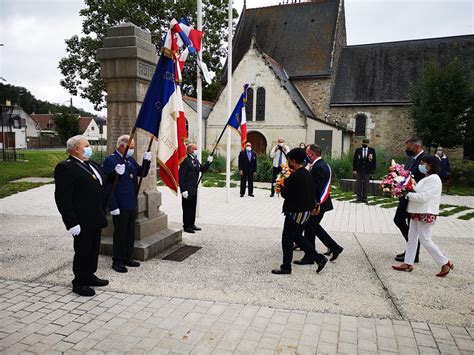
<point x="249" y="155"/>
<point x="365" y="153"/>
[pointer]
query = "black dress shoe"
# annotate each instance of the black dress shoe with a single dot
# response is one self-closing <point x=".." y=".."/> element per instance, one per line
<point x="241" y="195"/>
<point x="251" y="195"/>
<point x="401" y="255"/>
<point x="83" y="291"/>
<point x="329" y="252"/>
<point x="119" y="268"/>
<point x="98" y="282"/>
<point x="196" y="228"/>
<point x="335" y="254"/>
<point x="272" y="194"/>
<point x="189" y="230"/>
<point x="402" y="259"/>
<point x="281" y="271"/>
<point x="303" y="262"/>
<point x="321" y="265"/>
<point x="132" y="263"/>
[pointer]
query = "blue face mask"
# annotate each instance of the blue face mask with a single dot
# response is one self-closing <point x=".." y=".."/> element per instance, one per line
<point x="130" y="152"/>
<point x="422" y="168"/>
<point x="87" y="152"/>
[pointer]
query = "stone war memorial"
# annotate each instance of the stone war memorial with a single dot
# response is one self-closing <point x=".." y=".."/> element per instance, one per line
<point x="269" y="270"/>
<point x="128" y="61"/>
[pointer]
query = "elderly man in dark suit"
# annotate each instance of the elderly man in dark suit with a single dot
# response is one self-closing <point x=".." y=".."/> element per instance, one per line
<point x="188" y="177"/>
<point x="321" y="175"/>
<point x="247" y="168"/>
<point x="415" y="153"/>
<point x="123" y="207"/>
<point x="363" y="166"/>
<point x="81" y="199"/>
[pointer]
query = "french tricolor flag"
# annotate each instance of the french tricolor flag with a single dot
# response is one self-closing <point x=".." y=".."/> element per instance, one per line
<point x="327" y="188"/>
<point x="189" y="36"/>
<point x="238" y="118"/>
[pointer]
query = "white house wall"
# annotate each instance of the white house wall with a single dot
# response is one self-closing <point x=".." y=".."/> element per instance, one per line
<point x="337" y="136"/>
<point x="282" y="117"/>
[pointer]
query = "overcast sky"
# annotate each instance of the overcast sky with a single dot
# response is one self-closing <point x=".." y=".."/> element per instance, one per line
<point x="33" y="32"/>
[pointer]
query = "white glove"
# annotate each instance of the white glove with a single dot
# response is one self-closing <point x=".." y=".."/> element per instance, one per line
<point x="115" y="212"/>
<point x="210" y="158"/>
<point x="120" y="169"/>
<point x="147" y="156"/>
<point x="76" y="230"/>
<point x="185" y="194"/>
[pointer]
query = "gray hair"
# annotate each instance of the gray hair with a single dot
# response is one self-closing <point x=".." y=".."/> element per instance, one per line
<point x="123" y="139"/>
<point x="73" y="142"/>
<point x="415" y="140"/>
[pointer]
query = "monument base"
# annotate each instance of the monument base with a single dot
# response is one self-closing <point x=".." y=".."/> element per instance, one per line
<point x="149" y="247"/>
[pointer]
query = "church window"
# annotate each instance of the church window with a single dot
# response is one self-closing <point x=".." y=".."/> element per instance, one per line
<point x="360" y="125"/>
<point x="260" y="109"/>
<point x="249" y="104"/>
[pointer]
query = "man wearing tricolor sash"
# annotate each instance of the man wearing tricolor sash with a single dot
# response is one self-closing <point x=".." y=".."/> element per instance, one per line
<point x="321" y="174"/>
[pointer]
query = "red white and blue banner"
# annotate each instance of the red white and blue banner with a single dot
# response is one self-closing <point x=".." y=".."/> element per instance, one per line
<point x="327" y="188"/>
<point x="238" y="119"/>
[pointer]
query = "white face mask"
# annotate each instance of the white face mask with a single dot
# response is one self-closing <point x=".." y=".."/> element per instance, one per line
<point x="130" y="152"/>
<point x="280" y="144"/>
<point x="249" y="149"/>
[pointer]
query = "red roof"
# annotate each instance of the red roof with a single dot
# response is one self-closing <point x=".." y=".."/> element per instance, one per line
<point x="44" y="120"/>
<point x="84" y="123"/>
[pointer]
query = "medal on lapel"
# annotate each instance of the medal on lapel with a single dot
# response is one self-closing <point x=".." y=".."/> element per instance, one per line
<point x="93" y="175"/>
<point x="131" y="176"/>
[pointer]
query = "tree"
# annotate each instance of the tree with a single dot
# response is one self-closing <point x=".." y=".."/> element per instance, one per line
<point x="26" y="100"/>
<point x="67" y="125"/>
<point x="81" y="70"/>
<point x="442" y="106"/>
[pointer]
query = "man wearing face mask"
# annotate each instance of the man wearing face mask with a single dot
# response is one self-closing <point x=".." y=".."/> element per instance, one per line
<point x="278" y="155"/>
<point x="363" y="166"/>
<point x="444" y="166"/>
<point x="123" y="207"/>
<point x="81" y="199"/>
<point x="415" y="152"/>
<point x="188" y="178"/>
<point x="247" y="168"/>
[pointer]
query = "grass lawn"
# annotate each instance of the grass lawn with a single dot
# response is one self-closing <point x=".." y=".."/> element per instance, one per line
<point x="460" y="190"/>
<point x="39" y="163"/>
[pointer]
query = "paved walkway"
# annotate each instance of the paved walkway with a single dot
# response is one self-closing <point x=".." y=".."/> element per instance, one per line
<point x="223" y="298"/>
<point x="42" y="318"/>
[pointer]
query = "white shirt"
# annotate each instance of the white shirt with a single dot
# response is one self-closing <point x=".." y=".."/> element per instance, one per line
<point x="276" y="156"/>
<point x="427" y="196"/>
<point x="93" y="169"/>
<point x="310" y="166"/>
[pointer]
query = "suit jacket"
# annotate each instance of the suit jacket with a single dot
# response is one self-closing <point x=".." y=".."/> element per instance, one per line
<point x="364" y="165"/>
<point x="189" y="174"/>
<point x="321" y="174"/>
<point x="412" y="165"/>
<point x="125" y="192"/>
<point x="80" y="197"/>
<point x="246" y="165"/>
<point x="298" y="192"/>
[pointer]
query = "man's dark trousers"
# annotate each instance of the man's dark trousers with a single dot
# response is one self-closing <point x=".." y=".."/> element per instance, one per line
<point x="189" y="211"/>
<point x="86" y="255"/>
<point x="292" y="233"/>
<point x="124" y="236"/>
<point x="362" y="186"/>
<point x="246" y="176"/>
<point x="313" y="228"/>
<point x="402" y="221"/>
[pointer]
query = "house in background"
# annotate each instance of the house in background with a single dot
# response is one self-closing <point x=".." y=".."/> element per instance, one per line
<point x="13" y="130"/>
<point x="190" y="111"/>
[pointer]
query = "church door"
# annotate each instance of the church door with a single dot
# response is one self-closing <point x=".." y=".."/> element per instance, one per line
<point x="323" y="138"/>
<point x="259" y="143"/>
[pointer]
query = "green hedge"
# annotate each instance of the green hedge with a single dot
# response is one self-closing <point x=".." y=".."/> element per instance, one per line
<point x="462" y="172"/>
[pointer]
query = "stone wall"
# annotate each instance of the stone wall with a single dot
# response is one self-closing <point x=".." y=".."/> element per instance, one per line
<point x="316" y="93"/>
<point x="388" y="127"/>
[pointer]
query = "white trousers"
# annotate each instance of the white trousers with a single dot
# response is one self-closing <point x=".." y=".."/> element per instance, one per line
<point x="422" y="231"/>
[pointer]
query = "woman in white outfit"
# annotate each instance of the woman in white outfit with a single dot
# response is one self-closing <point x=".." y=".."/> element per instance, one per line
<point x="423" y="206"/>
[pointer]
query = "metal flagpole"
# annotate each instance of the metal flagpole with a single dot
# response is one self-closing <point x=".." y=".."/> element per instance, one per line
<point x="229" y="102"/>
<point x="199" y="100"/>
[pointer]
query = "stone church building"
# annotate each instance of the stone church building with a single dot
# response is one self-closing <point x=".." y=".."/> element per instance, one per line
<point x="307" y="85"/>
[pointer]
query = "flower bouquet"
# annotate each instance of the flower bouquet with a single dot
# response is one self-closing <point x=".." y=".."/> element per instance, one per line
<point x="398" y="181"/>
<point x="282" y="176"/>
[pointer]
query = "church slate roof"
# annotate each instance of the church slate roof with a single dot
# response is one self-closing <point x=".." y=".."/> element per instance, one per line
<point x="382" y="73"/>
<point x="299" y="36"/>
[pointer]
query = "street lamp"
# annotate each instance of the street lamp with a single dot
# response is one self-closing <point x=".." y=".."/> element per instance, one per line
<point x="7" y="111"/>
